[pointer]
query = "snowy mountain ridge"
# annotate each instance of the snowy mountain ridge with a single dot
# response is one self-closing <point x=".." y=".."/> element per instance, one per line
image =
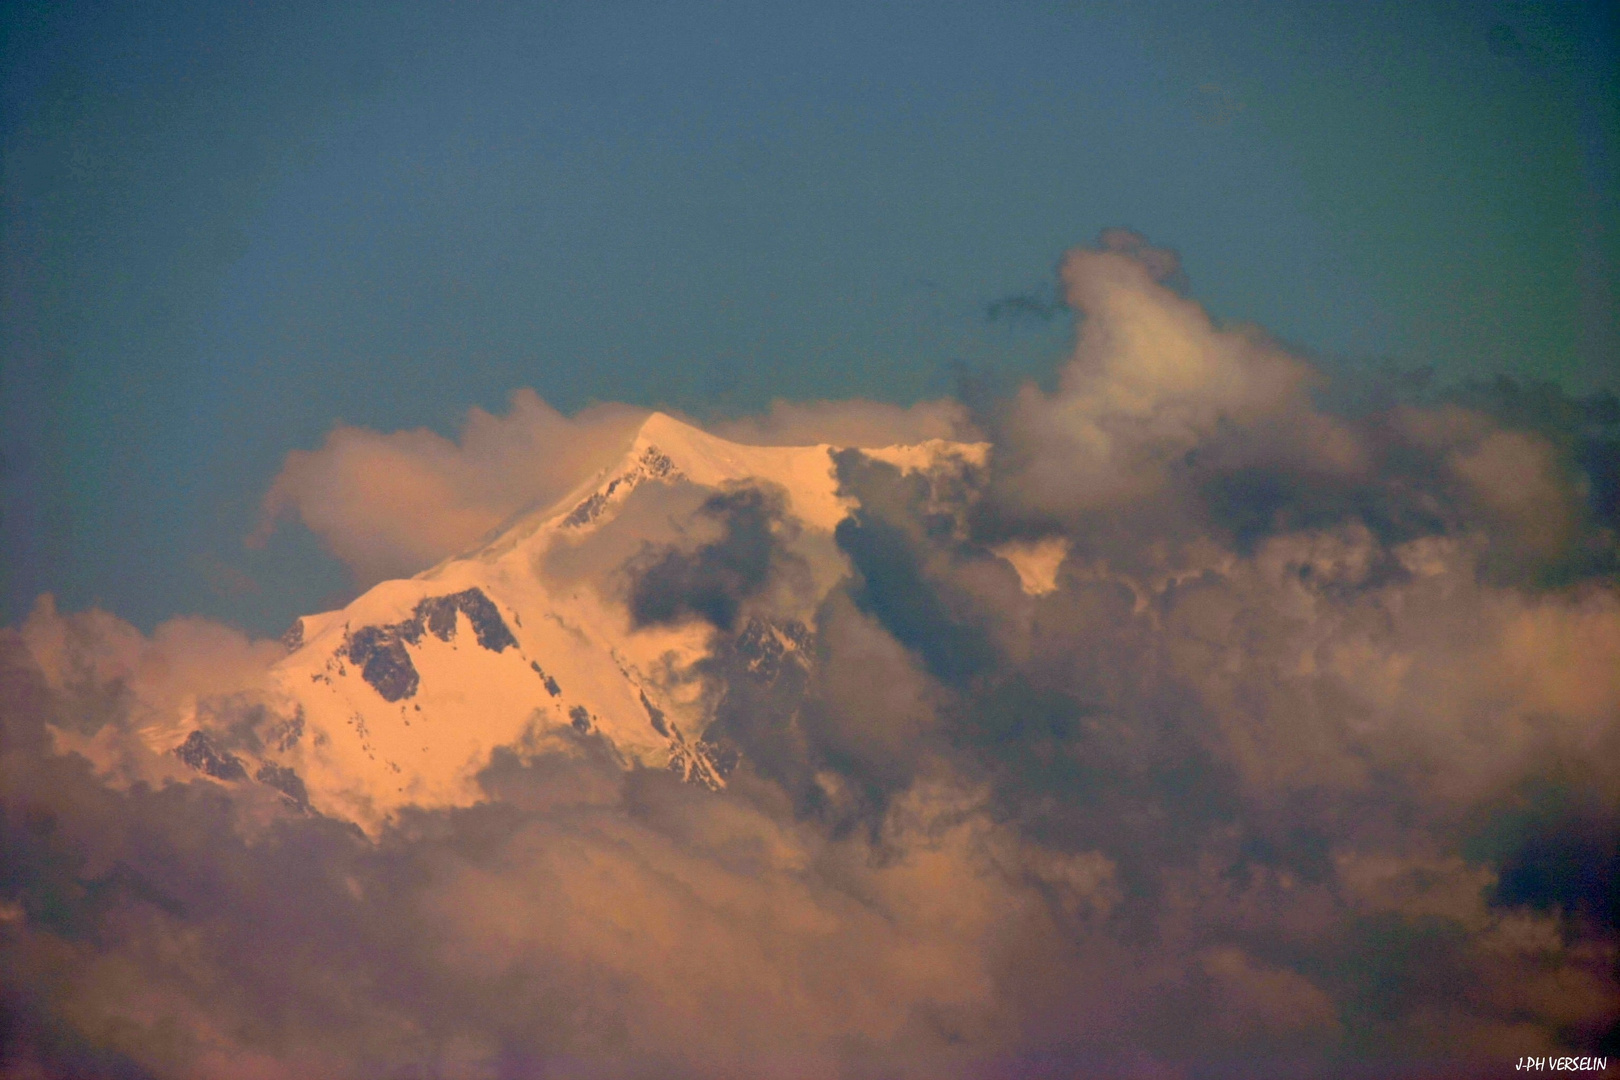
<point x="401" y="697"/>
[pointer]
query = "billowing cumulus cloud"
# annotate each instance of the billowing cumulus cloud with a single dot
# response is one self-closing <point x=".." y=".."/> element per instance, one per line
<point x="392" y="504"/>
<point x="1198" y="730"/>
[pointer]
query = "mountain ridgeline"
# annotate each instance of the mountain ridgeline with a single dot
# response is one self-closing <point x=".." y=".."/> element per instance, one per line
<point x="645" y="610"/>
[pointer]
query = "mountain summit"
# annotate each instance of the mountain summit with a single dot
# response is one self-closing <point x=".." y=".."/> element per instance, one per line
<point x="553" y="628"/>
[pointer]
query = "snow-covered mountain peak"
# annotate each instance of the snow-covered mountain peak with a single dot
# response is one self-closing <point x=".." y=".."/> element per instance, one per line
<point x="667" y="449"/>
<point x="402" y="696"/>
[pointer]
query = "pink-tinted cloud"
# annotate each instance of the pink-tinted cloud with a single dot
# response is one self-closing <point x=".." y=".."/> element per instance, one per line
<point x="1201" y="731"/>
<point x="391" y="504"/>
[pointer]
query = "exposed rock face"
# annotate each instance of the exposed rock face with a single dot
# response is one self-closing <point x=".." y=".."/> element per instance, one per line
<point x="764" y="647"/>
<point x="293" y="639"/>
<point x="380" y="652"/>
<point x="656" y="715"/>
<point x="285" y="734"/>
<point x="699" y="762"/>
<point x="765" y="670"/>
<point x="588" y="511"/>
<point x="285" y="781"/>
<point x="546" y="680"/>
<point x="201" y="754"/>
<point x="653" y="464"/>
<point x="693" y="666"/>
<point x="440" y="614"/>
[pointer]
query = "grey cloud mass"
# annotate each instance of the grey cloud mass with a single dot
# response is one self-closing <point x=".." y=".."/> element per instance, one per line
<point x="711" y="582"/>
<point x="1307" y="763"/>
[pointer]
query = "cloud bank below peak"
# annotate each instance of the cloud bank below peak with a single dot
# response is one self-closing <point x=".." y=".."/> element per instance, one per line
<point x="1295" y="753"/>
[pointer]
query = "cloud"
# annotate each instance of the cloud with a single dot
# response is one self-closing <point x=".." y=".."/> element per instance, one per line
<point x="1152" y="386"/>
<point x="584" y="922"/>
<point x="1201" y="730"/>
<point x="391" y="504"/>
<point x="669" y="586"/>
<point x="849" y="423"/>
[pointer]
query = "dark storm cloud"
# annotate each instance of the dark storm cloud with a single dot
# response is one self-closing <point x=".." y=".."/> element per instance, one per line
<point x="1202" y="730"/>
<point x="712" y="582"/>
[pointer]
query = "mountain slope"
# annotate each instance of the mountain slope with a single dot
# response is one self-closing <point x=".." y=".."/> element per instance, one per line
<point x="402" y="696"/>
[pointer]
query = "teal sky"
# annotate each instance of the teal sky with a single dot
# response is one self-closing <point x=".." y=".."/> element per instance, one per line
<point x="227" y="227"/>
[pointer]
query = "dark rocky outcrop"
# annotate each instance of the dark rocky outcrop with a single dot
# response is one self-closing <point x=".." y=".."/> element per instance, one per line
<point x="653" y="464"/>
<point x="286" y="781"/>
<point x="587" y="511"/>
<point x="656" y="715"/>
<point x="286" y="733"/>
<point x="380" y="650"/>
<point x="656" y="464"/>
<point x="550" y="684"/>
<point x="201" y="754"/>
<point x="439" y="614"/>
<point x="765" y="672"/>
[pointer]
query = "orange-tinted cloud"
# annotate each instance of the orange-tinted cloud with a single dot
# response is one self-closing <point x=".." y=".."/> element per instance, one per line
<point x="391" y="504"/>
<point x="1204" y="729"/>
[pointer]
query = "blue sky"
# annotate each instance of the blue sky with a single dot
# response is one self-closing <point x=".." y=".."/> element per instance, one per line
<point x="228" y="227"/>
